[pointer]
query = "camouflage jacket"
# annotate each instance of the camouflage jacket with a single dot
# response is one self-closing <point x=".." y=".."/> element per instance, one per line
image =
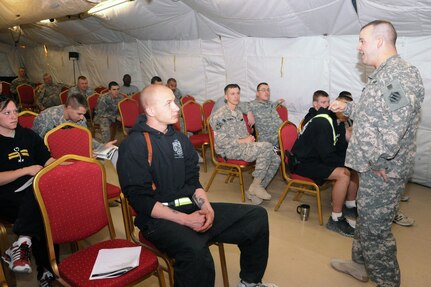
<point x="386" y="119"/>
<point x="107" y="107"/>
<point x="228" y="126"/>
<point x="19" y="81"/>
<point x="48" y="95"/>
<point x="52" y="117"/>
<point x="129" y="91"/>
<point x="267" y="120"/>
<point x="75" y="90"/>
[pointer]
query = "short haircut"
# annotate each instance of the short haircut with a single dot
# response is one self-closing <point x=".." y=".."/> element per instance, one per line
<point x="4" y="101"/>
<point x="111" y="84"/>
<point x="390" y="32"/>
<point x="345" y="95"/>
<point x="260" y="84"/>
<point x="155" y="79"/>
<point x="126" y="75"/>
<point x="82" y="78"/>
<point x="231" y="86"/>
<point x="319" y="93"/>
<point x="76" y="100"/>
<point x="171" y="80"/>
<point x="46" y="75"/>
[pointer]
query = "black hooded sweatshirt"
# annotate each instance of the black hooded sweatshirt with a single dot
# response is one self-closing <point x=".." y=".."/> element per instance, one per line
<point x="174" y="168"/>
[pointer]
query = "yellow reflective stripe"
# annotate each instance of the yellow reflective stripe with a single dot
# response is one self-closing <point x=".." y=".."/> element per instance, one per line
<point x="330" y="122"/>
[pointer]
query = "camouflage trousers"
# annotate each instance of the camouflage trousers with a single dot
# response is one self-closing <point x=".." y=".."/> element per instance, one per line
<point x="374" y="244"/>
<point x="105" y="129"/>
<point x="272" y="138"/>
<point x="267" y="161"/>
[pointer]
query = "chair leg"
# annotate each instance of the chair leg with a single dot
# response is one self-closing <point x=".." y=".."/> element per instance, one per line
<point x="283" y="195"/>
<point x="204" y="157"/>
<point x="319" y="207"/>
<point x="241" y="184"/>
<point x="223" y="264"/>
<point x="215" y="171"/>
<point x="127" y="228"/>
<point x="161" y="277"/>
<point x="7" y="277"/>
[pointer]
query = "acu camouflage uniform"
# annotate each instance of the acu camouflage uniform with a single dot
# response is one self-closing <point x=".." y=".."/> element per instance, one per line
<point x="106" y="114"/>
<point x="16" y="82"/>
<point x="75" y="90"/>
<point x="267" y="120"/>
<point x="48" y="95"/>
<point x="386" y="119"/>
<point x="229" y="126"/>
<point x="52" y="117"/>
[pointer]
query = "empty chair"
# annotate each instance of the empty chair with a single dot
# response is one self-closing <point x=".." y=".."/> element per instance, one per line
<point x="137" y="98"/>
<point x="101" y="89"/>
<point x="207" y="108"/>
<point x="26" y="96"/>
<point x="5" y="88"/>
<point x="129" y="112"/>
<point x="193" y="123"/>
<point x="282" y="112"/>
<point x="63" y="96"/>
<point x="26" y="119"/>
<point x="186" y="99"/>
<point x="74" y="195"/>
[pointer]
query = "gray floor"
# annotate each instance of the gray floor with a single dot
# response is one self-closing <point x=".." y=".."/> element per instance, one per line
<point x="300" y="251"/>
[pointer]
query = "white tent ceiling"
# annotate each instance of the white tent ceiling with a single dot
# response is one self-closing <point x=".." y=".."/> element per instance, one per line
<point x="202" y="19"/>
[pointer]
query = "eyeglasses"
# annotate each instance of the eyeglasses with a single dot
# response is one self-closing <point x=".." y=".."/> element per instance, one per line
<point x="10" y="113"/>
<point x="264" y="90"/>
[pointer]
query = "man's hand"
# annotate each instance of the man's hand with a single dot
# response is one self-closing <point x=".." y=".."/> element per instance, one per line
<point x="195" y="221"/>
<point x="337" y="106"/>
<point x="249" y="139"/>
<point x="209" y="219"/>
<point x="110" y="144"/>
<point x="381" y="173"/>
<point x="251" y="119"/>
<point x="280" y="101"/>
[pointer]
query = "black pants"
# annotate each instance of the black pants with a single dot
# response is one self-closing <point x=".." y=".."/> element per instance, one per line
<point x="244" y="225"/>
<point x="21" y="209"/>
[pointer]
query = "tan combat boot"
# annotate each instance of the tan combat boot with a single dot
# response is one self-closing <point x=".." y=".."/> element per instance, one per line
<point x="257" y="190"/>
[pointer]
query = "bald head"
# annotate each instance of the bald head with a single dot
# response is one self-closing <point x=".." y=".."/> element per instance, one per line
<point x="383" y="29"/>
<point x="152" y="93"/>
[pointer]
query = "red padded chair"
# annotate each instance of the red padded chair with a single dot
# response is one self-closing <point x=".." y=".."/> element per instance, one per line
<point x="73" y="202"/>
<point x="287" y="135"/>
<point x="282" y="112"/>
<point x="229" y="167"/>
<point x="26" y="96"/>
<point x="5" y="88"/>
<point x="129" y="112"/>
<point x="26" y="119"/>
<point x="186" y="99"/>
<point x="63" y="96"/>
<point x="137" y="98"/>
<point x="169" y="262"/>
<point x="207" y="107"/>
<point x="101" y="89"/>
<point x="92" y="103"/>
<point x="193" y="123"/>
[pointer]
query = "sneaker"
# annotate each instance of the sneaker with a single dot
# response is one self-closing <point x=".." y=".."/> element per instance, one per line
<point x="47" y="279"/>
<point x="350" y="212"/>
<point x="403" y="220"/>
<point x="341" y="226"/>
<point x="18" y="257"/>
<point x="351" y="268"/>
<point x="245" y="284"/>
<point x="404" y="198"/>
<point x="254" y="199"/>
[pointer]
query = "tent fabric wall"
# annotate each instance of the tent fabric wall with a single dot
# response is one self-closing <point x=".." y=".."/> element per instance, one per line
<point x="294" y="68"/>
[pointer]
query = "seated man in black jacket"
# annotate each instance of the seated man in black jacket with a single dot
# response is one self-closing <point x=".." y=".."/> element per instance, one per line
<point x="321" y="150"/>
<point x="173" y="210"/>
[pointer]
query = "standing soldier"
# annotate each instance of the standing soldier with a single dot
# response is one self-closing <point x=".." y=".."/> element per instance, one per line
<point x="233" y="141"/>
<point x="107" y="111"/>
<point x="382" y="150"/>
<point x="266" y="118"/>
<point x="48" y="94"/>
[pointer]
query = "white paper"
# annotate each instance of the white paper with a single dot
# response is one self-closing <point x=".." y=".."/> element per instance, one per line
<point x="25" y="185"/>
<point x="115" y="262"/>
<point x="105" y="153"/>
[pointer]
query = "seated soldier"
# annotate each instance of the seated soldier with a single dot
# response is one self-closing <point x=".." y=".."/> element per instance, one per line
<point x="22" y="155"/>
<point x="127" y="88"/>
<point x="172" y="84"/>
<point x="169" y="199"/>
<point x="321" y="150"/>
<point x="156" y="80"/>
<point x="47" y="94"/>
<point x="107" y="111"/>
<point x="20" y="80"/>
<point x="267" y="120"/>
<point x="232" y="141"/>
<point x="81" y="88"/>
<point x="320" y="100"/>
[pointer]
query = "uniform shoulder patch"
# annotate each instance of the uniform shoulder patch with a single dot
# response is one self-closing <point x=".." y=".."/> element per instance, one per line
<point x="395" y="96"/>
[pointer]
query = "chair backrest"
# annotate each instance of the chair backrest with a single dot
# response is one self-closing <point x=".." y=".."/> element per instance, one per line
<point x="101" y="89"/>
<point x="186" y="99"/>
<point x="137" y="97"/>
<point x="64" y="88"/>
<point x="5" y="88"/>
<point x="193" y="117"/>
<point x="69" y="138"/>
<point x="25" y="94"/>
<point x="26" y="119"/>
<point x="128" y="109"/>
<point x="282" y="112"/>
<point x="301" y="125"/>
<point x="249" y="129"/>
<point x="72" y="199"/>
<point x="207" y="107"/>
<point x="92" y="103"/>
<point x="287" y="135"/>
<point x="63" y="96"/>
